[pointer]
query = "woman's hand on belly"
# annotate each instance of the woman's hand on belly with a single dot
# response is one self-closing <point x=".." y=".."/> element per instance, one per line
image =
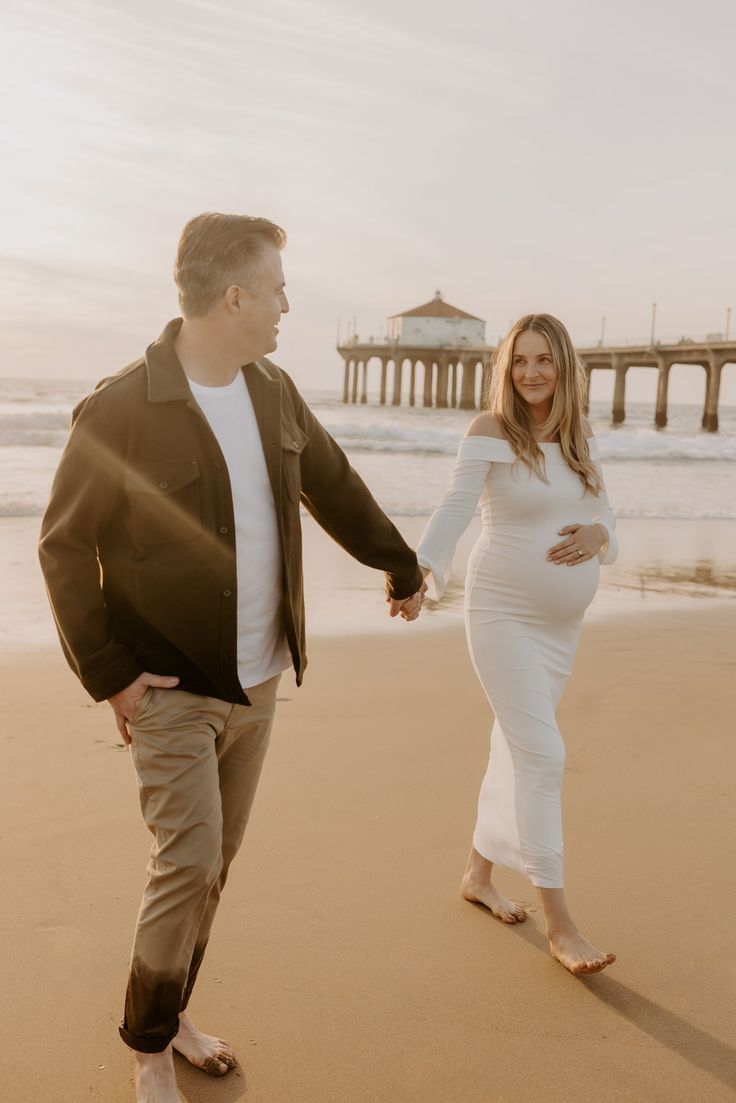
<point x="581" y="543"/>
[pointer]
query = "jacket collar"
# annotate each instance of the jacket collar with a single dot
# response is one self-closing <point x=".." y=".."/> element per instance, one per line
<point x="167" y="381"/>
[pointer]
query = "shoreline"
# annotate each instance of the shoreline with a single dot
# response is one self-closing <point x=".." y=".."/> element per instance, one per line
<point x="663" y="564"/>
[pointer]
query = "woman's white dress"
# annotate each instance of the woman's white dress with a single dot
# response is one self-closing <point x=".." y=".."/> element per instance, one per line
<point x="523" y="617"/>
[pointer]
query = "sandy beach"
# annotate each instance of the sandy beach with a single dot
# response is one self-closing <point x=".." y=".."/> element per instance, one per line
<point x="344" y="966"/>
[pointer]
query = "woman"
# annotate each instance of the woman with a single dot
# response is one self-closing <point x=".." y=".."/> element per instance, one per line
<point x="531" y="460"/>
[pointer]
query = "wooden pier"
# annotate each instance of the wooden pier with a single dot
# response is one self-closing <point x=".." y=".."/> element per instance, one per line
<point x="456" y="377"/>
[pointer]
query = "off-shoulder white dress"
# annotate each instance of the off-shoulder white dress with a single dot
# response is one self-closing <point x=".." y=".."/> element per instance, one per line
<point x="523" y="617"/>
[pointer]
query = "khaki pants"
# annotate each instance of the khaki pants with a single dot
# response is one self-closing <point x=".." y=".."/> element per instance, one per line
<point x="198" y="762"/>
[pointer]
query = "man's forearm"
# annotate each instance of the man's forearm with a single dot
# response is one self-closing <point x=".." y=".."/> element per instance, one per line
<point x="72" y="577"/>
<point x="344" y="507"/>
<point x="370" y="536"/>
<point x="82" y="499"/>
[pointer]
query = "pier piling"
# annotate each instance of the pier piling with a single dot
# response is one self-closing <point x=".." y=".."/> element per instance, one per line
<point x="660" y="413"/>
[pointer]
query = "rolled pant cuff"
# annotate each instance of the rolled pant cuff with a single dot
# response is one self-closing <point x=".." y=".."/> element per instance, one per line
<point x="147" y="1043"/>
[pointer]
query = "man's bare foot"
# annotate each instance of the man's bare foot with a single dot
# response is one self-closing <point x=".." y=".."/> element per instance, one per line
<point x="154" y="1077"/>
<point x="577" y="954"/>
<point x="212" y="1055"/>
<point x="483" y="892"/>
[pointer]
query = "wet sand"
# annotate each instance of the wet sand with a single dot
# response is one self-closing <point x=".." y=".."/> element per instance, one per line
<point x="662" y="565"/>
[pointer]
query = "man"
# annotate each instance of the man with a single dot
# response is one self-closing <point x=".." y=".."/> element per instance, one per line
<point x="171" y="549"/>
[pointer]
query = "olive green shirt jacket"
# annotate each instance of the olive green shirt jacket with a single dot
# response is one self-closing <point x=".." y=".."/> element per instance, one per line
<point x="138" y="540"/>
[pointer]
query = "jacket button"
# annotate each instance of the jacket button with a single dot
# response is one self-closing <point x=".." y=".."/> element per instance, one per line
<point x="163" y="485"/>
<point x="224" y="529"/>
<point x="218" y="467"/>
<point x="227" y="593"/>
<point x="226" y="658"/>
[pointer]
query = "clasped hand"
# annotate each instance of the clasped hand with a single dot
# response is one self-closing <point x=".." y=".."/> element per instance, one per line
<point x="581" y="543"/>
<point x="408" y="608"/>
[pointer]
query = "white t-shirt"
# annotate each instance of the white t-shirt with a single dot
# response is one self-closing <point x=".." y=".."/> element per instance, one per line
<point x="262" y="647"/>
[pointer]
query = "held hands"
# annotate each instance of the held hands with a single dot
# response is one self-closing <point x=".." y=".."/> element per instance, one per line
<point x="125" y="704"/>
<point x="581" y="543"/>
<point x="410" y="607"/>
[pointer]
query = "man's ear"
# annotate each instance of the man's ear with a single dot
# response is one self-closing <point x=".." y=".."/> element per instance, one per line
<point x="234" y="296"/>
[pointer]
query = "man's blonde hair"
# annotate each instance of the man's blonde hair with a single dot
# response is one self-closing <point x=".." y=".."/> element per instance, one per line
<point x="217" y="250"/>
<point x="566" y="416"/>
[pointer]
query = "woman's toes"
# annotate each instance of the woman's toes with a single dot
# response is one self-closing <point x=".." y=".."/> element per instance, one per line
<point x="596" y="965"/>
<point x="507" y="911"/>
<point x="579" y="957"/>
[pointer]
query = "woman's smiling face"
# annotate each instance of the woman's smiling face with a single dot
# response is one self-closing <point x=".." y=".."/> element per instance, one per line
<point x="533" y="372"/>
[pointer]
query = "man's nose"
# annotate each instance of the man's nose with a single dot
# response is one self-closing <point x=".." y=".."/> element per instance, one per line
<point x="284" y="304"/>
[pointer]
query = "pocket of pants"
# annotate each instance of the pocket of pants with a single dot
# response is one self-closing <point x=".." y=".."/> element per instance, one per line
<point x="143" y="704"/>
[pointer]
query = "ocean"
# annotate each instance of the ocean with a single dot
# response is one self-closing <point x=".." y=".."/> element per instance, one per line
<point x="406" y="455"/>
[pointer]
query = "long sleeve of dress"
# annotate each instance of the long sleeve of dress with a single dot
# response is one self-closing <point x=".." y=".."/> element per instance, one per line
<point x="455" y="512"/>
<point x="605" y="515"/>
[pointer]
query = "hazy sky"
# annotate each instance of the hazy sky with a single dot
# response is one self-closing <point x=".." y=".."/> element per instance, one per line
<point x="576" y="157"/>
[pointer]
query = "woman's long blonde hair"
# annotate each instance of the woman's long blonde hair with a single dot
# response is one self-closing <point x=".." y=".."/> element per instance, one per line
<point x="566" y="416"/>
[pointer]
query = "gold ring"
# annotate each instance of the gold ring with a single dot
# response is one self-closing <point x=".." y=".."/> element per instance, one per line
<point x="579" y="552"/>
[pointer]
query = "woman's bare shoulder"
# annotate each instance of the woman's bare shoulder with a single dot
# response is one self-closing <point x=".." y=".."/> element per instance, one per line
<point x="485" y="425"/>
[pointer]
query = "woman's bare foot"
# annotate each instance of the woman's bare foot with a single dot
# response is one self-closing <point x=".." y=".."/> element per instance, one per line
<point x="483" y="892"/>
<point x="566" y="943"/>
<point x="212" y="1055"/>
<point x="577" y="954"/>
<point x="154" y="1077"/>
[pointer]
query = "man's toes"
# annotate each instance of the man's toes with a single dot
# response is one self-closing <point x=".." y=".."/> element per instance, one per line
<point x="214" y="1067"/>
<point x="227" y="1058"/>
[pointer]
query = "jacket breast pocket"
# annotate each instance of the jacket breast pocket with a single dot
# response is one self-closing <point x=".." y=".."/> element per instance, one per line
<point x="163" y="500"/>
<point x="293" y="440"/>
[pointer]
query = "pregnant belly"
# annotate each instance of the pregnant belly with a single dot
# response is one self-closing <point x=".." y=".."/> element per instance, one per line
<point x="514" y="578"/>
